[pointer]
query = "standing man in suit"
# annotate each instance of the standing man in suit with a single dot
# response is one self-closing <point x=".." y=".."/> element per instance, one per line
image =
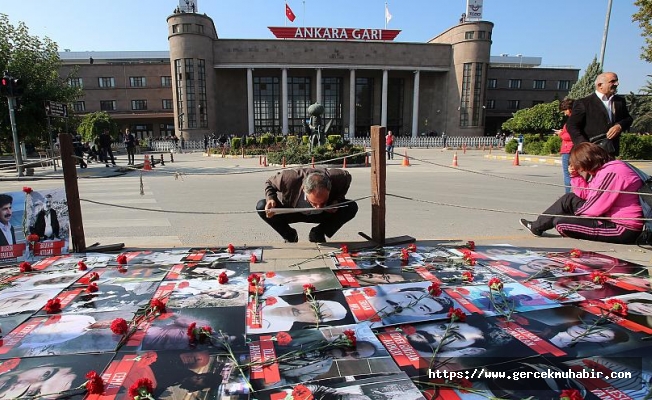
<point x="7" y="237"/>
<point x="47" y="224"/>
<point x="601" y="113"/>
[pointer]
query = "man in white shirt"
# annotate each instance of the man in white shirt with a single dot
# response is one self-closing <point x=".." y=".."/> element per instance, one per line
<point x="7" y="237"/>
<point x="47" y="224"/>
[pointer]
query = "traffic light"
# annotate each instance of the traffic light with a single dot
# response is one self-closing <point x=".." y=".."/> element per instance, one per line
<point x="17" y="87"/>
<point x="5" y="86"/>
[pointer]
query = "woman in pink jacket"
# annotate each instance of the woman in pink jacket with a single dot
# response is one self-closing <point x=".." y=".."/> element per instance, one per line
<point x="598" y="184"/>
<point x="565" y="106"/>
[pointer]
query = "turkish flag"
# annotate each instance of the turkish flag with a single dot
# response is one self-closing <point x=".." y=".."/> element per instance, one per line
<point x="289" y="13"/>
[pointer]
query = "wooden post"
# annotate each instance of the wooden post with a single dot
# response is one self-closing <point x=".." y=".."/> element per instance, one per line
<point x="77" y="238"/>
<point x="378" y="184"/>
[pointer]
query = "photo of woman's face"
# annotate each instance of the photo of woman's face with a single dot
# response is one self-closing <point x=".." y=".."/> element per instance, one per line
<point x="462" y="335"/>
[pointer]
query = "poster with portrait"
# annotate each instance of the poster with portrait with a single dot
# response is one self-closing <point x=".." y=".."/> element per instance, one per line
<point x="595" y="261"/>
<point x="637" y="317"/>
<point x="9" y="322"/>
<point x="353" y="278"/>
<point x="399" y="303"/>
<point x="192" y="375"/>
<point x="150" y="258"/>
<point x="13" y="244"/>
<point x="169" y="331"/>
<point x="513" y="298"/>
<point x="209" y="271"/>
<point x="222" y="254"/>
<point x="47" y="217"/>
<point x="538" y="268"/>
<point x="196" y="293"/>
<point x="36" y="377"/>
<point x="502" y="252"/>
<point x="285" y="313"/>
<point x="306" y="355"/>
<point x="57" y="334"/>
<point x="574" y="288"/>
<point x="283" y="283"/>
<point x="16" y="302"/>
<point x="42" y="280"/>
<point x="476" y="341"/>
<point x="570" y="331"/>
<point x="71" y="261"/>
<point x="364" y="387"/>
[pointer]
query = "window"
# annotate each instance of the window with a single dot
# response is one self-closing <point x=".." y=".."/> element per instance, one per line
<point x="539" y="84"/>
<point x="186" y="28"/>
<point x="75" y="82"/>
<point x="166" y="81"/>
<point x="167" y="104"/>
<point x="535" y="102"/>
<point x="200" y="28"/>
<point x="79" y="106"/>
<point x="466" y="94"/>
<point x="175" y="28"/>
<point x="299" y="96"/>
<point x="139" y="104"/>
<point x="469" y="35"/>
<point x="491" y="104"/>
<point x="107" y="105"/>
<point x="492" y="83"/>
<point x="137" y="81"/>
<point x="106" y="82"/>
<point x="481" y="34"/>
<point x="514" y="83"/>
<point x="513" y="104"/>
<point x="267" y="99"/>
<point x="563" y="85"/>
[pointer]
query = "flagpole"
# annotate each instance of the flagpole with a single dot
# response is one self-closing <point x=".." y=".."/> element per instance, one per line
<point x="385" y="16"/>
<point x="304" y="13"/>
<point x="285" y="13"/>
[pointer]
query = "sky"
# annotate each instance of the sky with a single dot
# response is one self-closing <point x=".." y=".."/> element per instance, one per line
<point x="562" y="32"/>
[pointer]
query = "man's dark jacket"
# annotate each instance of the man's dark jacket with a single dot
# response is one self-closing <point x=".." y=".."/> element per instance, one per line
<point x="286" y="186"/>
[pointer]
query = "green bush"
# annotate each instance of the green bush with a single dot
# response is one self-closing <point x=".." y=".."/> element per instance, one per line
<point x="304" y="140"/>
<point x="265" y="140"/>
<point x="552" y="145"/>
<point x="511" y="146"/>
<point x="279" y="139"/>
<point x="292" y="140"/>
<point x="635" y="147"/>
<point x="533" y="147"/>
<point x="236" y="142"/>
<point x="334" y="139"/>
<point x="250" y="141"/>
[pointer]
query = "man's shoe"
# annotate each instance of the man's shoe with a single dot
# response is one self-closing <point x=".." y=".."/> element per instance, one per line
<point x="316" y="236"/>
<point x="293" y="238"/>
<point x="528" y="225"/>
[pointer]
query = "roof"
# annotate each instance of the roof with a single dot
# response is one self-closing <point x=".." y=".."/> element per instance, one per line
<point x="113" y="55"/>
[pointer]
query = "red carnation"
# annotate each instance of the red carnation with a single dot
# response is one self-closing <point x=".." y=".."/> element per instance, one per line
<point x="119" y="326"/>
<point x="599" y="277"/>
<point x="141" y="389"/>
<point x="270" y="301"/>
<point x="157" y="305"/>
<point x="350" y="335"/>
<point x="206" y="330"/>
<point x="617" y="306"/>
<point x="191" y="331"/>
<point x="467" y="276"/>
<point x="92" y="288"/>
<point x="25" y="267"/>
<point x="82" y="266"/>
<point x="270" y="274"/>
<point x="570" y="394"/>
<point x="412" y="247"/>
<point x="569" y="267"/>
<point x="408" y="329"/>
<point x="405" y="255"/>
<point x="253" y="259"/>
<point x="121" y="259"/>
<point x="27" y="190"/>
<point x="230" y="249"/>
<point x="308" y="289"/>
<point x="254" y="279"/>
<point x="222" y="278"/>
<point x="470" y="244"/>
<point x="344" y="248"/>
<point x="93" y="276"/>
<point x="370" y="292"/>
<point x="53" y="306"/>
<point x="576" y="253"/>
<point x="94" y="383"/>
<point x="456" y="315"/>
<point x="495" y="284"/>
<point x="434" y="289"/>
<point x="283" y="338"/>
<point x="301" y="392"/>
<point x="469" y="259"/>
<point x="32" y="238"/>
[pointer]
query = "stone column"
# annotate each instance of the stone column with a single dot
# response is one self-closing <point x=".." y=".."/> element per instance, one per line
<point x="415" y="105"/>
<point x="250" y="100"/>
<point x="383" y="101"/>
<point x="318" y="87"/>
<point x="352" y="103"/>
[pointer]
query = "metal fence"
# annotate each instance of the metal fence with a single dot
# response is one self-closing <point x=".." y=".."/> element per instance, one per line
<point x="426" y="142"/>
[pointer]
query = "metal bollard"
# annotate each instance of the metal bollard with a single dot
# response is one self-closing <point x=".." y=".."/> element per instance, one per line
<point x="151" y="158"/>
<point x="162" y="160"/>
<point x="171" y="157"/>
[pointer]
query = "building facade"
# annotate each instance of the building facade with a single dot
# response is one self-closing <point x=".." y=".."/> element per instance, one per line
<point x="206" y="85"/>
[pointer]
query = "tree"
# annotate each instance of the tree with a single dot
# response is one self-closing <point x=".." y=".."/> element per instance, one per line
<point x="644" y="19"/>
<point x="586" y="84"/>
<point x="36" y="62"/>
<point x="93" y="124"/>
<point x="541" y="119"/>
<point x="640" y="108"/>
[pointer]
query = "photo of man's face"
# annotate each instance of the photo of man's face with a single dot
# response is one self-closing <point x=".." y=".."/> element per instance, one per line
<point x="5" y="213"/>
<point x="35" y="381"/>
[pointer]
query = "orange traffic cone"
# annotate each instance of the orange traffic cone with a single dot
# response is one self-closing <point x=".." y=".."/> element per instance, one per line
<point x="455" y="160"/>
<point x="283" y="161"/>
<point x="516" y="163"/>
<point x="344" y="163"/>
<point x="147" y="166"/>
<point x="406" y="160"/>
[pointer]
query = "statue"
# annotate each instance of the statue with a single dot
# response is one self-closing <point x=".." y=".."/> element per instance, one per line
<point x="315" y="129"/>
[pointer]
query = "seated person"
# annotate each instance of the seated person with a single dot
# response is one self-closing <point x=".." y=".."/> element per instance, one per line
<point x="602" y="187"/>
<point x="308" y="188"/>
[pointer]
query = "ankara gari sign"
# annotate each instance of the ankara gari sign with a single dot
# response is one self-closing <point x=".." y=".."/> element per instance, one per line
<point x="367" y="34"/>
